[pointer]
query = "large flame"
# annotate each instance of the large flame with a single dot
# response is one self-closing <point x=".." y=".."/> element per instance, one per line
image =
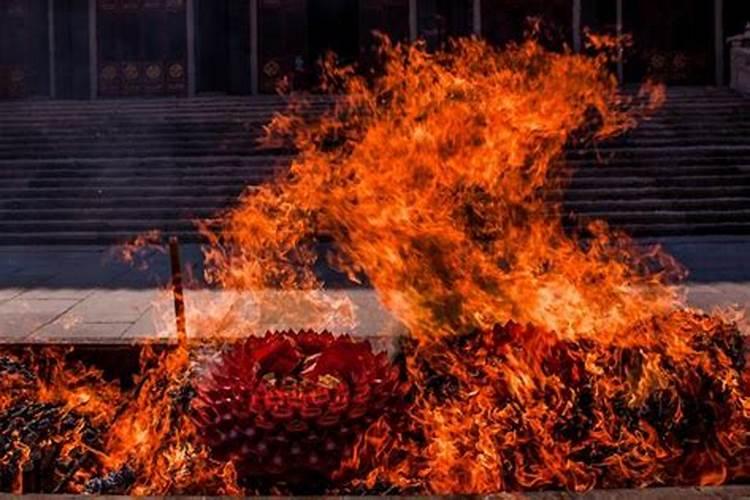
<point x="436" y="185"/>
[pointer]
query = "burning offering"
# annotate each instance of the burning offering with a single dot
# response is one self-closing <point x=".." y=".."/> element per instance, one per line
<point x="291" y="406"/>
<point x="538" y="356"/>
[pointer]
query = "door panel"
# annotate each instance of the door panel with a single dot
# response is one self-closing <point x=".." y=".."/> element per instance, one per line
<point x="72" y="76"/>
<point x="389" y="17"/>
<point x="672" y="41"/>
<point x="505" y="21"/>
<point x="223" y="46"/>
<point x="142" y="47"/>
<point x="24" y="48"/>
<point x="282" y="41"/>
<point x="440" y="20"/>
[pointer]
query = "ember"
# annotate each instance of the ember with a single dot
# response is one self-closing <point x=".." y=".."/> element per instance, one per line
<point x="436" y="185"/>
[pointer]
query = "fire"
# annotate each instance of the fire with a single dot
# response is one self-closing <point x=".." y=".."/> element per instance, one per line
<point x="537" y="357"/>
<point x="436" y="184"/>
<point x="430" y="183"/>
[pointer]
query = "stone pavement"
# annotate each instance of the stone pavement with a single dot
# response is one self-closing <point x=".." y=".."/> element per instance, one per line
<point x="85" y="295"/>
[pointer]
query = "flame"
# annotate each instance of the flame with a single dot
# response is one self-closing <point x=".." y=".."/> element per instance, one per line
<point x="438" y="184"/>
<point x="431" y="185"/>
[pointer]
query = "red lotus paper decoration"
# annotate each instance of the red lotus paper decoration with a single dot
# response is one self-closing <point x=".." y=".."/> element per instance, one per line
<point x="291" y="404"/>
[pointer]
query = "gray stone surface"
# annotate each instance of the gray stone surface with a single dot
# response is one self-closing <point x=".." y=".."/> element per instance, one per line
<point x="83" y="295"/>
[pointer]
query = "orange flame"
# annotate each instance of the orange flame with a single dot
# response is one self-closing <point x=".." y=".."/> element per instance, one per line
<point x="437" y="184"/>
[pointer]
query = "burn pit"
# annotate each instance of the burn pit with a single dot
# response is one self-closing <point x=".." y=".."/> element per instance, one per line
<point x="536" y="359"/>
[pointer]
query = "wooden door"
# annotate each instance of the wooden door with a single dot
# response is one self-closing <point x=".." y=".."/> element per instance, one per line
<point x="440" y="20"/>
<point x="389" y="17"/>
<point x="505" y="21"/>
<point x="142" y="47"/>
<point x="24" y="48"/>
<point x="282" y="43"/>
<point x="223" y="46"/>
<point x="672" y="41"/>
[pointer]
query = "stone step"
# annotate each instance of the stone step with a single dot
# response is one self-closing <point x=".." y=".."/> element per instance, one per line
<point x="9" y="194"/>
<point x="661" y="217"/>
<point x="77" y="237"/>
<point x="159" y="212"/>
<point x="639" y="193"/>
<point x="648" y="161"/>
<point x="697" y="151"/>
<point x="582" y="179"/>
<point x="656" y="204"/>
<point x="134" y="152"/>
<point x="145" y="161"/>
<point x="101" y="172"/>
<point x="575" y="192"/>
<point x="18" y="136"/>
<point x="132" y="226"/>
<point x="640" y="154"/>
<point x="604" y="162"/>
<point x="135" y="202"/>
<point x="136" y="182"/>
<point x="257" y="176"/>
<point x="65" y="206"/>
<point x="641" y="213"/>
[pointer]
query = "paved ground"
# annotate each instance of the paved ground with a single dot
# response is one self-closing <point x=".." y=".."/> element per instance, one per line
<point x="85" y="295"/>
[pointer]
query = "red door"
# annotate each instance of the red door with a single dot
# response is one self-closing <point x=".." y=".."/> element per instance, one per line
<point x="440" y="20"/>
<point x="142" y="47"/>
<point x="24" y="49"/>
<point x="672" y="41"/>
<point x="282" y="43"/>
<point x="389" y="17"/>
<point x="506" y="21"/>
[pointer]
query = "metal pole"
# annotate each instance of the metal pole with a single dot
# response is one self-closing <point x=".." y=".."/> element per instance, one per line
<point x="51" y="46"/>
<point x="190" y="40"/>
<point x="577" y="43"/>
<point x="413" y="27"/>
<point x="620" y="64"/>
<point x="93" y="52"/>
<point x="254" y="60"/>
<point x="177" y="288"/>
<point x="719" y="40"/>
<point x="477" y="17"/>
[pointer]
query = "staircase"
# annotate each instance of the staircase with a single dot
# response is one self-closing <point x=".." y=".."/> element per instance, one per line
<point x="686" y="171"/>
<point x="102" y="172"/>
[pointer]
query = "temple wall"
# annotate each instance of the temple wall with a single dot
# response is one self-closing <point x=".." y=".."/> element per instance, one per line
<point x="110" y="48"/>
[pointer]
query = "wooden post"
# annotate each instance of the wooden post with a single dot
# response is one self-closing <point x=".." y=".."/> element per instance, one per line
<point x="413" y="26"/>
<point x="620" y="49"/>
<point x="719" y="41"/>
<point x="51" y="46"/>
<point x="178" y="290"/>
<point x="254" y="61"/>
<point x="93" y="52"/>
<point x="577" y="43"/>
<point x="190" y="41"/>
<point x="477" y="17"/>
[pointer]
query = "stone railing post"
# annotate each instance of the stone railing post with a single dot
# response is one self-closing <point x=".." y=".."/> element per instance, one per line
<point x="740" y="61"/>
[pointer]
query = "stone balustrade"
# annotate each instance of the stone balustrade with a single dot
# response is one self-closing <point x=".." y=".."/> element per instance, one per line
<point x="740" y="61"/>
